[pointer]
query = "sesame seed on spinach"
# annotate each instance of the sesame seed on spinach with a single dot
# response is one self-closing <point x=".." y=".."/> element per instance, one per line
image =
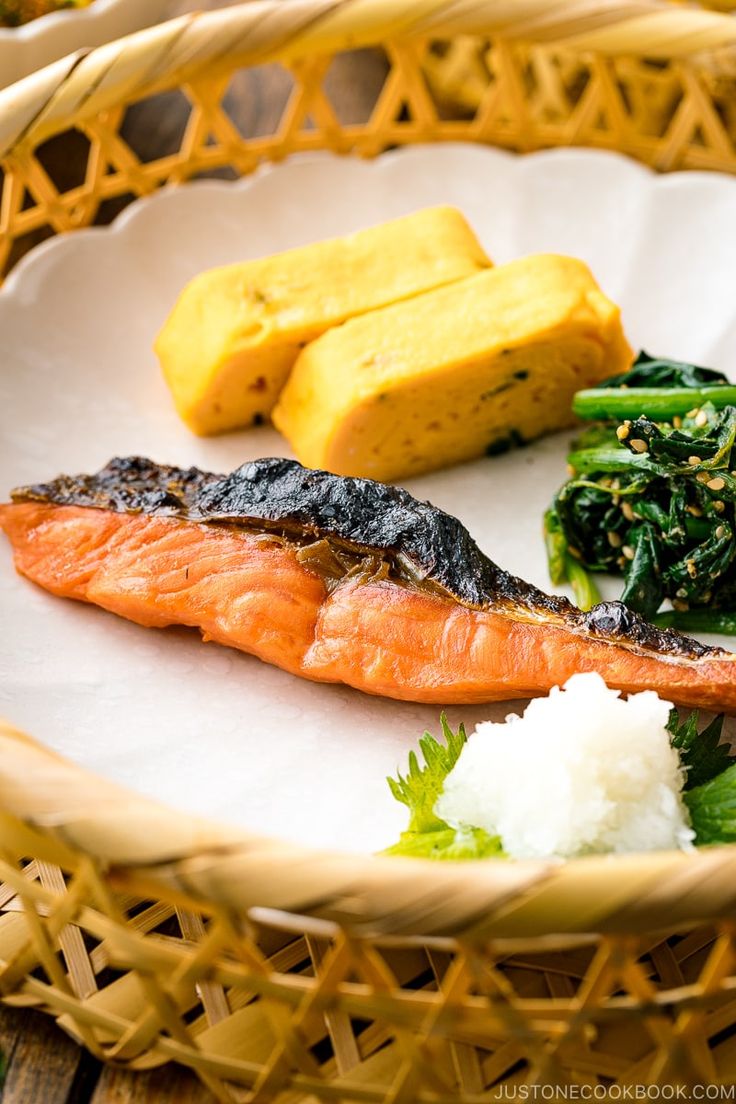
<point x="652" y="495"/>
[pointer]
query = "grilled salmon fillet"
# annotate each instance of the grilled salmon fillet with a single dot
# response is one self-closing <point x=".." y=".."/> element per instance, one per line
<point x="336" y="580"/>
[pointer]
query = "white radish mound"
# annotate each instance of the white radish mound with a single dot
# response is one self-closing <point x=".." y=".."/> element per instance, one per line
<point x="583" y="771"/>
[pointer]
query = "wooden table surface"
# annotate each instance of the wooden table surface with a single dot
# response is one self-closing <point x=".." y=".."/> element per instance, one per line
<point x="44" y="1065"/>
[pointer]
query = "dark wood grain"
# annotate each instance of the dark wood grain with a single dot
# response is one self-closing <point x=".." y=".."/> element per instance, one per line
<point x="42" y="1063"/>
<point x="44" y="1066"/>
<point x="167" y="1085"/>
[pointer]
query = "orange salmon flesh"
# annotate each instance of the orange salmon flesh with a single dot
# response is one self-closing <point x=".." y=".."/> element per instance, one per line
<point x="249" y="591"/>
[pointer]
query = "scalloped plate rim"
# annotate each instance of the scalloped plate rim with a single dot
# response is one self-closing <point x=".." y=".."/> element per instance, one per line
<point x="130" y="213"/>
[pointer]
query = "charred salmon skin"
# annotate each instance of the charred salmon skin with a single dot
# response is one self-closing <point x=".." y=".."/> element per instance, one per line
<point x="337" y="580"/>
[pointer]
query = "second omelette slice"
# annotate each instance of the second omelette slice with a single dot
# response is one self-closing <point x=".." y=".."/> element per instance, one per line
<point x="469" y="369"/>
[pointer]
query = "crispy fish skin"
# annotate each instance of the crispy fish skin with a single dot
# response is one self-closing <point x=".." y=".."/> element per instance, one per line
<point x="337" y="580"/>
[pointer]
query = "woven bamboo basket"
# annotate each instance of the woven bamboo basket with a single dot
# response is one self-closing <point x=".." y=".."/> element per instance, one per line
<point x="281" y="974"/>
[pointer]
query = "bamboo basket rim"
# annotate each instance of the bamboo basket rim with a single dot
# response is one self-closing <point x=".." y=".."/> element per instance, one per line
<point x="259" y="31"/>
<point x="149" y="848"/>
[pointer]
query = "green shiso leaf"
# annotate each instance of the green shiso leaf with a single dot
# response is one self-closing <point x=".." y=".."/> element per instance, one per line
<point x="428" y="836"/>
<point x="422" y="785"/>
<point x="702" y="755"/>
<point x="713" y="808"/>
<point x="710" y="786"/>
<point x="448" y="843"/>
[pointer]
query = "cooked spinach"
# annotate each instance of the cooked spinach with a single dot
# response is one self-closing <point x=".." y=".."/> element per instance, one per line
<point x="652" y="496"/>
<point x="664" y="387"/>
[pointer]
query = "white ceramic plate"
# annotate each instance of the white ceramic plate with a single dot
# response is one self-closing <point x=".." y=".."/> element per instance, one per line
<point x="25" y="49"/>
<point x="205" y="728"/>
